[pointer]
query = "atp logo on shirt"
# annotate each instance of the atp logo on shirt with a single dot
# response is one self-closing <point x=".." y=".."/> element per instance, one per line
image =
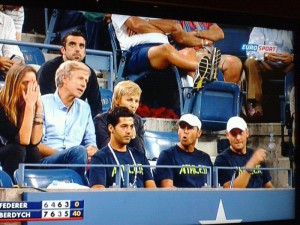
<point x="139" y="169"/>
<point x="188" y="169"/>
<point x="256" y="171"/>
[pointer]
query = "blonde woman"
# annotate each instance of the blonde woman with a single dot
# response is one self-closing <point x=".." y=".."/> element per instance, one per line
<point x="21" y="123"/>
<point x="126" y="94"/>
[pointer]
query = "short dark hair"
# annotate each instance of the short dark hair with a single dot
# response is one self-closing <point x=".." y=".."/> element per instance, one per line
<point x="77" y="33"/>
<point x="114" y="115"/>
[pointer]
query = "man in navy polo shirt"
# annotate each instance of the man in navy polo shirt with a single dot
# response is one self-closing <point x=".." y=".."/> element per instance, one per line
<point x="192" y="174"/>
<point x="238" y="155"/>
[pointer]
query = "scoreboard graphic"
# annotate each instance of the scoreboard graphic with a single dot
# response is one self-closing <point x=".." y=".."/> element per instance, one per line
<point x="41" y="211"/>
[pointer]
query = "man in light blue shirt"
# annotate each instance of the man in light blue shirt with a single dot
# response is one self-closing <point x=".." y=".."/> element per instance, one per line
<point x="69" y="132"/>
<point x="272" y="53"/>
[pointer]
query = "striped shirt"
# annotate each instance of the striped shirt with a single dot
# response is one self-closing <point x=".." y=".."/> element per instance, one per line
<point x="18" y="17"/>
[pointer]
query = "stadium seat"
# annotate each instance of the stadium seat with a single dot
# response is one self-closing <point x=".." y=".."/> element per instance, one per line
<point x="41" y="178"/>
<point x="32" y="55"/>
<point x="285" y="115"/>
<point x="106" y="97"/>
<point x="214" y="104"/>
<point x="157" y="141"/>
<point x="5" y="180"/>
<point x="62" y="22"/>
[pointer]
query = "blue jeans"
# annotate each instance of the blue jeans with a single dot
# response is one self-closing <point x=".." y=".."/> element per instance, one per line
<point x="74" y="155"/>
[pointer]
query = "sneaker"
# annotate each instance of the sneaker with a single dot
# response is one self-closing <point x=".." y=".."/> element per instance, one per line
<point x="203" y="71"/>
<point x="215" y="59"/>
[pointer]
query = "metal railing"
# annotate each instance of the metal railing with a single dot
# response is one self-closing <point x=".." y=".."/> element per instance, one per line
<point x="211" y="172"/>
<point x="217" y="168"/>
<point x="99" y="60"/>
<point x="118" y="182"/>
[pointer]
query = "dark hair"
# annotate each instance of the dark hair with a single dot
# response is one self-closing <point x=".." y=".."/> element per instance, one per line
<point x="77" y="33"/>
<point x="114" y="115"/>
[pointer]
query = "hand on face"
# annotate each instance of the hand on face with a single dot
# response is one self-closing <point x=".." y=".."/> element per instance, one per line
<point x="38" y="104"/>
<point x="31" y="94"/>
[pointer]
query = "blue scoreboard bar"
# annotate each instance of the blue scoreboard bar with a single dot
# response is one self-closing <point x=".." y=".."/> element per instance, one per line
<point x="41" y="210"/>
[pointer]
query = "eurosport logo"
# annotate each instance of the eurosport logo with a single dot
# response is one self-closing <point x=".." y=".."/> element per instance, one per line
<point x="258" y="48"/>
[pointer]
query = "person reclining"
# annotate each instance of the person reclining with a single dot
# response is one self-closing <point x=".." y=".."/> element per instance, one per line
<point x="202" y="36"/>
<point x="150" y="49"/>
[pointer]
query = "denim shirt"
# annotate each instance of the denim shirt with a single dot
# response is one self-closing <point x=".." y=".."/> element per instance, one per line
<point x="64" y="129"/>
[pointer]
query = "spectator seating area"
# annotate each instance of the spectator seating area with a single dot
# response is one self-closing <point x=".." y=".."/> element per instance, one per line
<point x="213" y="104"/>
<point x="199" y="102"/>
<point x="96" y="59"/>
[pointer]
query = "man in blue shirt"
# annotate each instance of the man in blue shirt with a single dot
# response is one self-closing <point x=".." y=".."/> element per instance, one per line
<point x="69" y="132"/>
<point x="238" y="155"/>
<point x="120" y="123"/>
<point x="274" y="56"/>
<point x="186" y="155"/>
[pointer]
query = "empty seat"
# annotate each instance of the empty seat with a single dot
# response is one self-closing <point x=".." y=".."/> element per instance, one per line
<point x="41" y="178"/>
<point x="214" y="104"/>
<point x="5" y="180"/>
<point x="157" y="141"/>
<point x="106" y="97"/>
<point x="32" y="55"/>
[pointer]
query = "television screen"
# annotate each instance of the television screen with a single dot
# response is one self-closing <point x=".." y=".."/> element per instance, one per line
<point x="249" y="44"/>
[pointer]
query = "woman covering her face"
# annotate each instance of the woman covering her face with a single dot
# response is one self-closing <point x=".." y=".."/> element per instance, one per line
<point x="21" y="118"/>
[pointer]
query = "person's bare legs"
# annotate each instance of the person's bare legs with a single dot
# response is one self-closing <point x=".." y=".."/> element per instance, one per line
<point x="231" y="67"/>
<point x="162" y="56"/>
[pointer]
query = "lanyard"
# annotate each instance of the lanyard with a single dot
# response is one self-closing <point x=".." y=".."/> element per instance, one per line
<point x="117" y="161"/>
